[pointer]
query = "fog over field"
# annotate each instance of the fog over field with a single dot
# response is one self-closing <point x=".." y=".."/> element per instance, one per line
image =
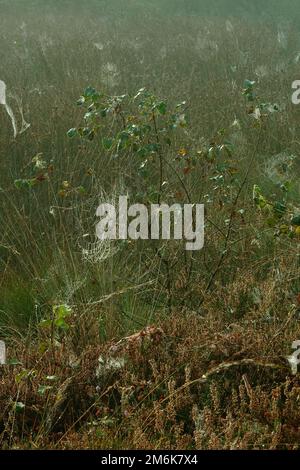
<point x="150" y="224"/>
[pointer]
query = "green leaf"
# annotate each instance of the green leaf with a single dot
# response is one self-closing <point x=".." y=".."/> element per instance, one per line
<point x="91" y="135"/>
<point x="25" y="374"/>
<point x="271" y="221"/>
<point x="46" y="323"/>
<point x="89" y="92"/>
<point x="19" y="406"/>
<point x="86" y="131"/>
<point x="14" y="362"/>
<point x="296" y="220"/>
<point x="279" y="209"/>
<point x="161" y="107"/>
<point x="107" y="143"/>
<point x="43" y="389"/>
<point x="258" y="198"/>
<point x="286" y="187"/>
<point x="88" y="115"/>
<point x="72" y="132"/>
<point x="284" y="229"/>
<point x="143" y="170"/>
<point x="24" y="183"/>
<point x="124" y="137"/>
<point x="81" y="190"/>
<point x="52" y="378"/>
<point x="81" y="101"/>
<point x="139" y="93"/>
<point x="249" y="83"/>
<point x="61" y="323"/>
<point x="62" y="311"/>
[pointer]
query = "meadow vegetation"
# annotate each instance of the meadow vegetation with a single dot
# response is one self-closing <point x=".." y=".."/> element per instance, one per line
<point x="141" y="344"/>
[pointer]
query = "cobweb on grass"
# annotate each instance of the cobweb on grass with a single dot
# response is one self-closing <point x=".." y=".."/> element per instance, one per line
<point x="98" y="250"/>
<point x="281" y="167"/>
<point x="24" y="125"/>
<point x="61" y="280"/>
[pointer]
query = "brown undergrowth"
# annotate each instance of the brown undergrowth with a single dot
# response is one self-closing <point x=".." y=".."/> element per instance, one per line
<point x="189" y="382"/>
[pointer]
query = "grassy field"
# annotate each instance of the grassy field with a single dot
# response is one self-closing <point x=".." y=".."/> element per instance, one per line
<point x="141" y="344"/>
